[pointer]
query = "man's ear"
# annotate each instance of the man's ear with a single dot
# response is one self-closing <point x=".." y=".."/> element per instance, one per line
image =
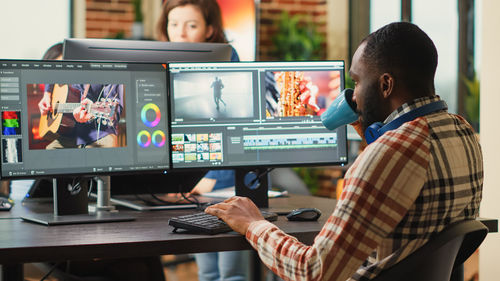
<point x="386" y="82"/>
<point x="210" y="32"/>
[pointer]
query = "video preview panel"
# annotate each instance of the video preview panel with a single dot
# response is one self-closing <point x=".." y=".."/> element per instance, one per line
<point x="217" y="96"/>
<point x="98" y="107"/>
<point x="300" y="93"/>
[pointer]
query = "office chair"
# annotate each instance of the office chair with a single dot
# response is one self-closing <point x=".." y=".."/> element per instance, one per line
<point x="442" y="254"/>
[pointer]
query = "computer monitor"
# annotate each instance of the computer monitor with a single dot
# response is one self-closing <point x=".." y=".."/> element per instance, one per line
<point x="144" y="51"/>
<point x="121" y="124"/>
<point x="249" y="115"/>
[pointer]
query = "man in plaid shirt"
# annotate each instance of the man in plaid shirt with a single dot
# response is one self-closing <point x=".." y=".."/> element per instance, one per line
<point x="407" y="185"/>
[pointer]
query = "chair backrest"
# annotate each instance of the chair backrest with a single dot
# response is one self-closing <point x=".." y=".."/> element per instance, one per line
<point x="435" y="260"/>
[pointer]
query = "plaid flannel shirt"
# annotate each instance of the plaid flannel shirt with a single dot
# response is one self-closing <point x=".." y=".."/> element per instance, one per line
<point x="406" y="186"/>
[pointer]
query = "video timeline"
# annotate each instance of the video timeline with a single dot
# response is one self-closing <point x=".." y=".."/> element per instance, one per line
<point x="289" y="141"/>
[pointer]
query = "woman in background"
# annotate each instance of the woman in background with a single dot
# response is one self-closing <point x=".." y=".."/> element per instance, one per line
<point x="199" y="21"/>
<point x="55" y="52"/>
<point x="192" y="21"/>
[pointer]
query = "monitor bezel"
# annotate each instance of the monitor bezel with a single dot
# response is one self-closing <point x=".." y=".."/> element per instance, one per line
<point x="97" y="173"/>
<point x="259" y="165"/>
<point x="85" y="49"/>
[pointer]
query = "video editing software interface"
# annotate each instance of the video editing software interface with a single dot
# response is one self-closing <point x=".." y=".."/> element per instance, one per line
<point x="254" y="114"/>
<point x="61" y="117"/>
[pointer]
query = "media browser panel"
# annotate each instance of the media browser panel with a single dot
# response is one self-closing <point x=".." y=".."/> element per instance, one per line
<point x="254" y="114"/>
<point x="68" y="118"/>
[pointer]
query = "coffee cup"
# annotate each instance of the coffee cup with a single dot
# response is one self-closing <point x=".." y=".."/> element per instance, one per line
<point x="342" y="111"/>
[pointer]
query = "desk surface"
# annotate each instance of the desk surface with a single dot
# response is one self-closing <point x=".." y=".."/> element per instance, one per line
<point x="148" y="235"/>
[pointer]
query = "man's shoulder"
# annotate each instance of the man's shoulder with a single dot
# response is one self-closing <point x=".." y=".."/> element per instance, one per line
<point x="409" y="141"/>
<point x="412" y="132"/>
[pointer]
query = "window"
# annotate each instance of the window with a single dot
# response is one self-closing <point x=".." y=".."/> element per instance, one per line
<point x="32" y="26"/>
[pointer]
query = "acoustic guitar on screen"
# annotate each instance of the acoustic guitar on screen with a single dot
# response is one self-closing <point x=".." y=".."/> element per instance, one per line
<point x="59" y="119"/>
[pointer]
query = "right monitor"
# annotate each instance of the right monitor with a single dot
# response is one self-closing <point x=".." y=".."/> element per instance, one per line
<point x="254" y="114"/>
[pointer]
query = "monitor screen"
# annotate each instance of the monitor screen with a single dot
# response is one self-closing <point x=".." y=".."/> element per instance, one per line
<point x="69" y="118"/>
<point x="254" y="114"/>
<point x="144" y="51"/>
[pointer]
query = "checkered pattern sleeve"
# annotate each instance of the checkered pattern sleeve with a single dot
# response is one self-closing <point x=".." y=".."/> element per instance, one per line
<point x="365" y="214"/>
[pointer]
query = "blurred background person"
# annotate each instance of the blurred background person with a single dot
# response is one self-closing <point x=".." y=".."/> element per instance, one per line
<point x="198" y="21"/>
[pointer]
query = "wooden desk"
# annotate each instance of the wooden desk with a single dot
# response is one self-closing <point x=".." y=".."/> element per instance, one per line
<point x="149" y="235"/>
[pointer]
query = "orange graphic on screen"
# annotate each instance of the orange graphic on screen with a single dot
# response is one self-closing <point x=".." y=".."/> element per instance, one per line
<point x="300" y="93"/>
<point x="239" y="22"/>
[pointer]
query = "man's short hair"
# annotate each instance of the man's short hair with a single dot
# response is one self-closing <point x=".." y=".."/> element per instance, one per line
<point x="406" y="52"/>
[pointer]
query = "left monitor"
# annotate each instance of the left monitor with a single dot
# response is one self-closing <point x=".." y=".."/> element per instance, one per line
<point x="120" y="126"/>
<point x="69" y="120"/>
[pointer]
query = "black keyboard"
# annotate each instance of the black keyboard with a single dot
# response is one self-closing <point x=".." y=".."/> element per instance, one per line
<point x="204" y="223"/>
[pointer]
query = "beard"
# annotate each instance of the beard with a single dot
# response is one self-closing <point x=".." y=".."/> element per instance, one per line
<point x="373" y="107"/>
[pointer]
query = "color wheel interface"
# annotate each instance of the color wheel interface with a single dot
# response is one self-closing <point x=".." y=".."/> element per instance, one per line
<point x="151" y="134"/>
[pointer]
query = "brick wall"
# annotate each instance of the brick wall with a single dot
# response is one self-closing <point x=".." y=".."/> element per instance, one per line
<point x="270" y="11"/>
<point x="107" y="18"/>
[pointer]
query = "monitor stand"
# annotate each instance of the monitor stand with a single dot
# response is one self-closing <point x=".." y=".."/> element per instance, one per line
<point x="71" y="205"/>
<point x="254" y="184"/>
<point x="172" y="179"/>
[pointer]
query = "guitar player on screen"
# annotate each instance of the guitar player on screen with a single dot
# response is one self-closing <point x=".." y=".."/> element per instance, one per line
<point x="81" y="115"/>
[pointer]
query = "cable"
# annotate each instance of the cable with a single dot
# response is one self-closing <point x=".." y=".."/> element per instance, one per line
<point x="91" y="185"/>
<point x="50" y="271"/>
<point x="190" y="199"/>
<point x="194" y="201"/>
<point x="75" y="185"/>
<point x="259" y="176"/>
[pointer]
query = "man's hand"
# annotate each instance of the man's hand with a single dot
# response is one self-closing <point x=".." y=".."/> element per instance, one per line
<point x="237" y="212"/>
<point x="81" y="114"/>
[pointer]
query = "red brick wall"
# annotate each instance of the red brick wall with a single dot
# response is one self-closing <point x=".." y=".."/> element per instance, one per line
<point x="106" y="18"/>
<point x="270" y="11"/>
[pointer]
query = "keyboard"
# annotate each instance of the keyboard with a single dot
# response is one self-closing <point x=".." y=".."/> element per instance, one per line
<point x="204" y="223"/>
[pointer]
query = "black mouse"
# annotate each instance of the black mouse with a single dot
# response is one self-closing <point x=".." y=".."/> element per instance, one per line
<point x="304" y="214"/>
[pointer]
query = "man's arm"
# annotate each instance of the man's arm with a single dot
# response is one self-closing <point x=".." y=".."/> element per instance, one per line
<point x="379" y="189"/>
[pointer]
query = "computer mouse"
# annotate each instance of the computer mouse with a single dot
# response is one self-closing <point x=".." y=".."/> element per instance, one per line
<point x="5" y="204"/>
<point x="304" y="214"/>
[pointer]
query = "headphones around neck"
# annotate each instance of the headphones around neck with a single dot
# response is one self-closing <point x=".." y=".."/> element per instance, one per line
<point x="374" y="131"/>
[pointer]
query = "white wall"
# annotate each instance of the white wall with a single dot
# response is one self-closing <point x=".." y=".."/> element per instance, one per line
<point x="29" y="27"/>
<point x="489" y="269"/>
<point x="439" y="19"/>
